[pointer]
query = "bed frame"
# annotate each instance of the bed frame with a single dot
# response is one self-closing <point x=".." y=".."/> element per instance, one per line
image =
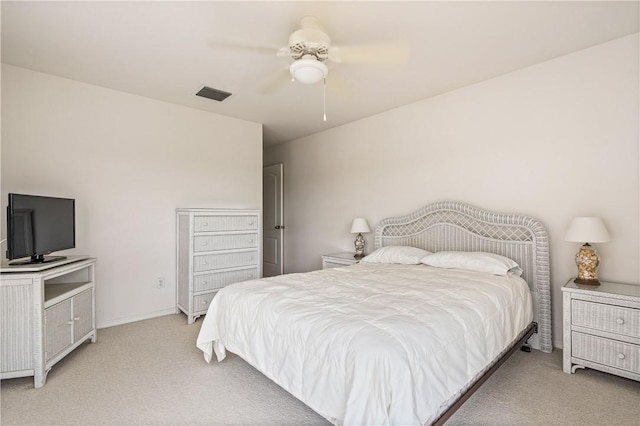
<point x="456" y="226"/>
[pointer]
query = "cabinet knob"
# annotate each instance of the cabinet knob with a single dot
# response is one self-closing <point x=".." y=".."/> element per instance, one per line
<point x="620" y="321"/>
<point x="76" y="318"/>
<point x="621" y="356"/>
<point x="250" y="275"/>
<point x="70" y="322"/>
<point x="251" y="240"/>
<point x="205" y="243"/>
<point x="204" y="263"/>
<point x="251" y="223"/>
<point x="205" y="282"/>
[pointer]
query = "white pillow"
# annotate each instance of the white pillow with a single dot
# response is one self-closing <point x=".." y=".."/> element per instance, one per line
<point x="396" y="254"/>
<point x="473" y="261"/>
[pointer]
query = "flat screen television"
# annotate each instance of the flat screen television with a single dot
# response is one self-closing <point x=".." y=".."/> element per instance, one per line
<point x="38" y="225"/>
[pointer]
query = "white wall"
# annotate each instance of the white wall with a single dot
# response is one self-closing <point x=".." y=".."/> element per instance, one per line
<point x="554" y="141"/>
<point x="129" y="162"/>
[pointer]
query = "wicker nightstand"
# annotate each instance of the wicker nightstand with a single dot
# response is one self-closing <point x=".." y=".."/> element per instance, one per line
<point x="602" y="328"/>
<point x="338" y="259"/>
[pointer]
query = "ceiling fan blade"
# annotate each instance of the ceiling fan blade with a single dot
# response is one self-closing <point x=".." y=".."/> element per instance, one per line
<point x="255" y="48"/>
<point x="383" y="53"/>
<point x="336" y="85"/>
<point x="274" y="81"/>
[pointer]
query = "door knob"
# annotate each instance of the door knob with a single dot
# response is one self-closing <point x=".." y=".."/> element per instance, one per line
<point x="279" y="226"/>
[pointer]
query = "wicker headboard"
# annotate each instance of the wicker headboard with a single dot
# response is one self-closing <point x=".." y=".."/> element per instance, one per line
<point x="451" y="225"/>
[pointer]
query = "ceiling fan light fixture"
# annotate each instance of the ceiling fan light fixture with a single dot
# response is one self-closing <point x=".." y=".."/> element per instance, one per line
<point x="308" y="71"/>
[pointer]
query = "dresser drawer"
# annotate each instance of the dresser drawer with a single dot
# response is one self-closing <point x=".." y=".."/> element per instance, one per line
<point x="608" y="352"/>
<point x="598" y="316"/>
<point x="215" y="261"/>
<point x="225" y="223"/>
<point x="201" y="303"/>
<point x="224" y="242"/>
<point x="218" y="280"/>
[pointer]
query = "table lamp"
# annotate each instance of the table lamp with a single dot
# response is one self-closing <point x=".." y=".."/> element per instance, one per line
<point x="359" y="226"/>
<point x="587" y="230"/>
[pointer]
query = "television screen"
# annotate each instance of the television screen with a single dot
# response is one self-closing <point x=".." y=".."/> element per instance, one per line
<point x="38" y="225"/>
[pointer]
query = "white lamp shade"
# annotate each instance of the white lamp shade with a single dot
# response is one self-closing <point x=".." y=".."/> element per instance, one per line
<point x="360" y="226"/>
<point x="587" y="230"/>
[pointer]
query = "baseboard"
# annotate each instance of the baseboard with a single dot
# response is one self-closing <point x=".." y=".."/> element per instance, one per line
<point x="127" y="320"/>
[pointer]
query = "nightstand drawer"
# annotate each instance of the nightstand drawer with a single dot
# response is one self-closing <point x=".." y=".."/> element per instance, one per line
<point x="598" y="316"/>
<point x="612" y="353"/>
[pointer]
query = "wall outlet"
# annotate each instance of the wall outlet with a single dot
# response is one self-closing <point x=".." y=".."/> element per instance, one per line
<point x="160" y="282"/>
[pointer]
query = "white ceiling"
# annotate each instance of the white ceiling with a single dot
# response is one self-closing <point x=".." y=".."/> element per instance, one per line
<point x="160" y="49"/>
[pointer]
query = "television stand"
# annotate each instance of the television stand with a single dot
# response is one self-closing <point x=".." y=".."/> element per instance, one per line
<point x="45" y="315"/>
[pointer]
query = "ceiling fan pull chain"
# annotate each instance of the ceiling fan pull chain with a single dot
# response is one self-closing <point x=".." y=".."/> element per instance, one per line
<point x="324" y="98"/>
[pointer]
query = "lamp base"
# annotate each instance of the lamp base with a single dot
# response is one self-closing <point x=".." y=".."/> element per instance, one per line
<point x="592" y="283"/>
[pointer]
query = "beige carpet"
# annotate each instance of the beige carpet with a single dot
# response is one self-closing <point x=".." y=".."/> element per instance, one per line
<point x="150" y="373"/>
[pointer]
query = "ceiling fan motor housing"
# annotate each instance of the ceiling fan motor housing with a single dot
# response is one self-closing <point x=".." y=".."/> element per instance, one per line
<point x="309" y="41"/>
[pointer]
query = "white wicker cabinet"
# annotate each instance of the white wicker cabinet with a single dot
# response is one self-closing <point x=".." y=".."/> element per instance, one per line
<point x="215" y="248"/>
<point x="338" y="259"/>
<point x="46" y="312"/>
<point x="602" y="328"/>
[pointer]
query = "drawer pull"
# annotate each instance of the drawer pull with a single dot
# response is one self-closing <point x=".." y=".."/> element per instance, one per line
<point x="621" y="356"/>
<point x="250" y="257"/>
<point x="250" y="275"/>
<point x="251" y="223"/>
<point x="205" y="282"/>
<point x="76" y="318"/>
<point x="251" y="240"/>
<point x="620" y="321"/>
<point x="204" y="302"/>
<point x="205" y="244"/>
<point x="70" y="322"/>
<point x="205" y="263"/>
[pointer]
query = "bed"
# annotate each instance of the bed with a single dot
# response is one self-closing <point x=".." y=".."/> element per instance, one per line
<point x="381" y="342"/>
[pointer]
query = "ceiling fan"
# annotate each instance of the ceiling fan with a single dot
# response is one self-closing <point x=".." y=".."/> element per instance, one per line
<point x="310" y="48"/>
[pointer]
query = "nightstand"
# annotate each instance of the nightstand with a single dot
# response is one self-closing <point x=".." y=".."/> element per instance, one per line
<point x="338" y="259"/>
<point x="602" y="328"/>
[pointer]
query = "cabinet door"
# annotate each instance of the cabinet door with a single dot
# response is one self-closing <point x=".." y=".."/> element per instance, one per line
<point x="57" y="329"/>
<point x="82" y="314"/>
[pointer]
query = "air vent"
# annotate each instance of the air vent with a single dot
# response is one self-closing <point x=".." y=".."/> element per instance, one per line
<point x="215" y="94"/>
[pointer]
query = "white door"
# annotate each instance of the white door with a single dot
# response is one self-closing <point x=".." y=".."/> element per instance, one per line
<point x="273" y="224"/>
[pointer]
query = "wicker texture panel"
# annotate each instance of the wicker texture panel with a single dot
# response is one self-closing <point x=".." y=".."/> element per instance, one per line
<point x="184" y="259"/>
<point x="224" y="260"/>
<point x="82" y="315"/>
<point x="16" y="320"/>
<point x="201" y="303"/>
<point x="452" y="225"/>
<point x="225" y="223"/>
<point x="218" y="280"/>
<point x="224" y="242"/>
<point x="614" y="319"/>
<point x="605" y="351"/>
<point x="57" y="326"/>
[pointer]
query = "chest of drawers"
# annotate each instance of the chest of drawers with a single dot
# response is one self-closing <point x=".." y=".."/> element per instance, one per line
<point x="215" y="248"/>
<point x="602" y="328"/>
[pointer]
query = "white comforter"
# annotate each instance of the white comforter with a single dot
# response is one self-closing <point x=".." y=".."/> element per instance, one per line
<point x="369" y="343"/>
